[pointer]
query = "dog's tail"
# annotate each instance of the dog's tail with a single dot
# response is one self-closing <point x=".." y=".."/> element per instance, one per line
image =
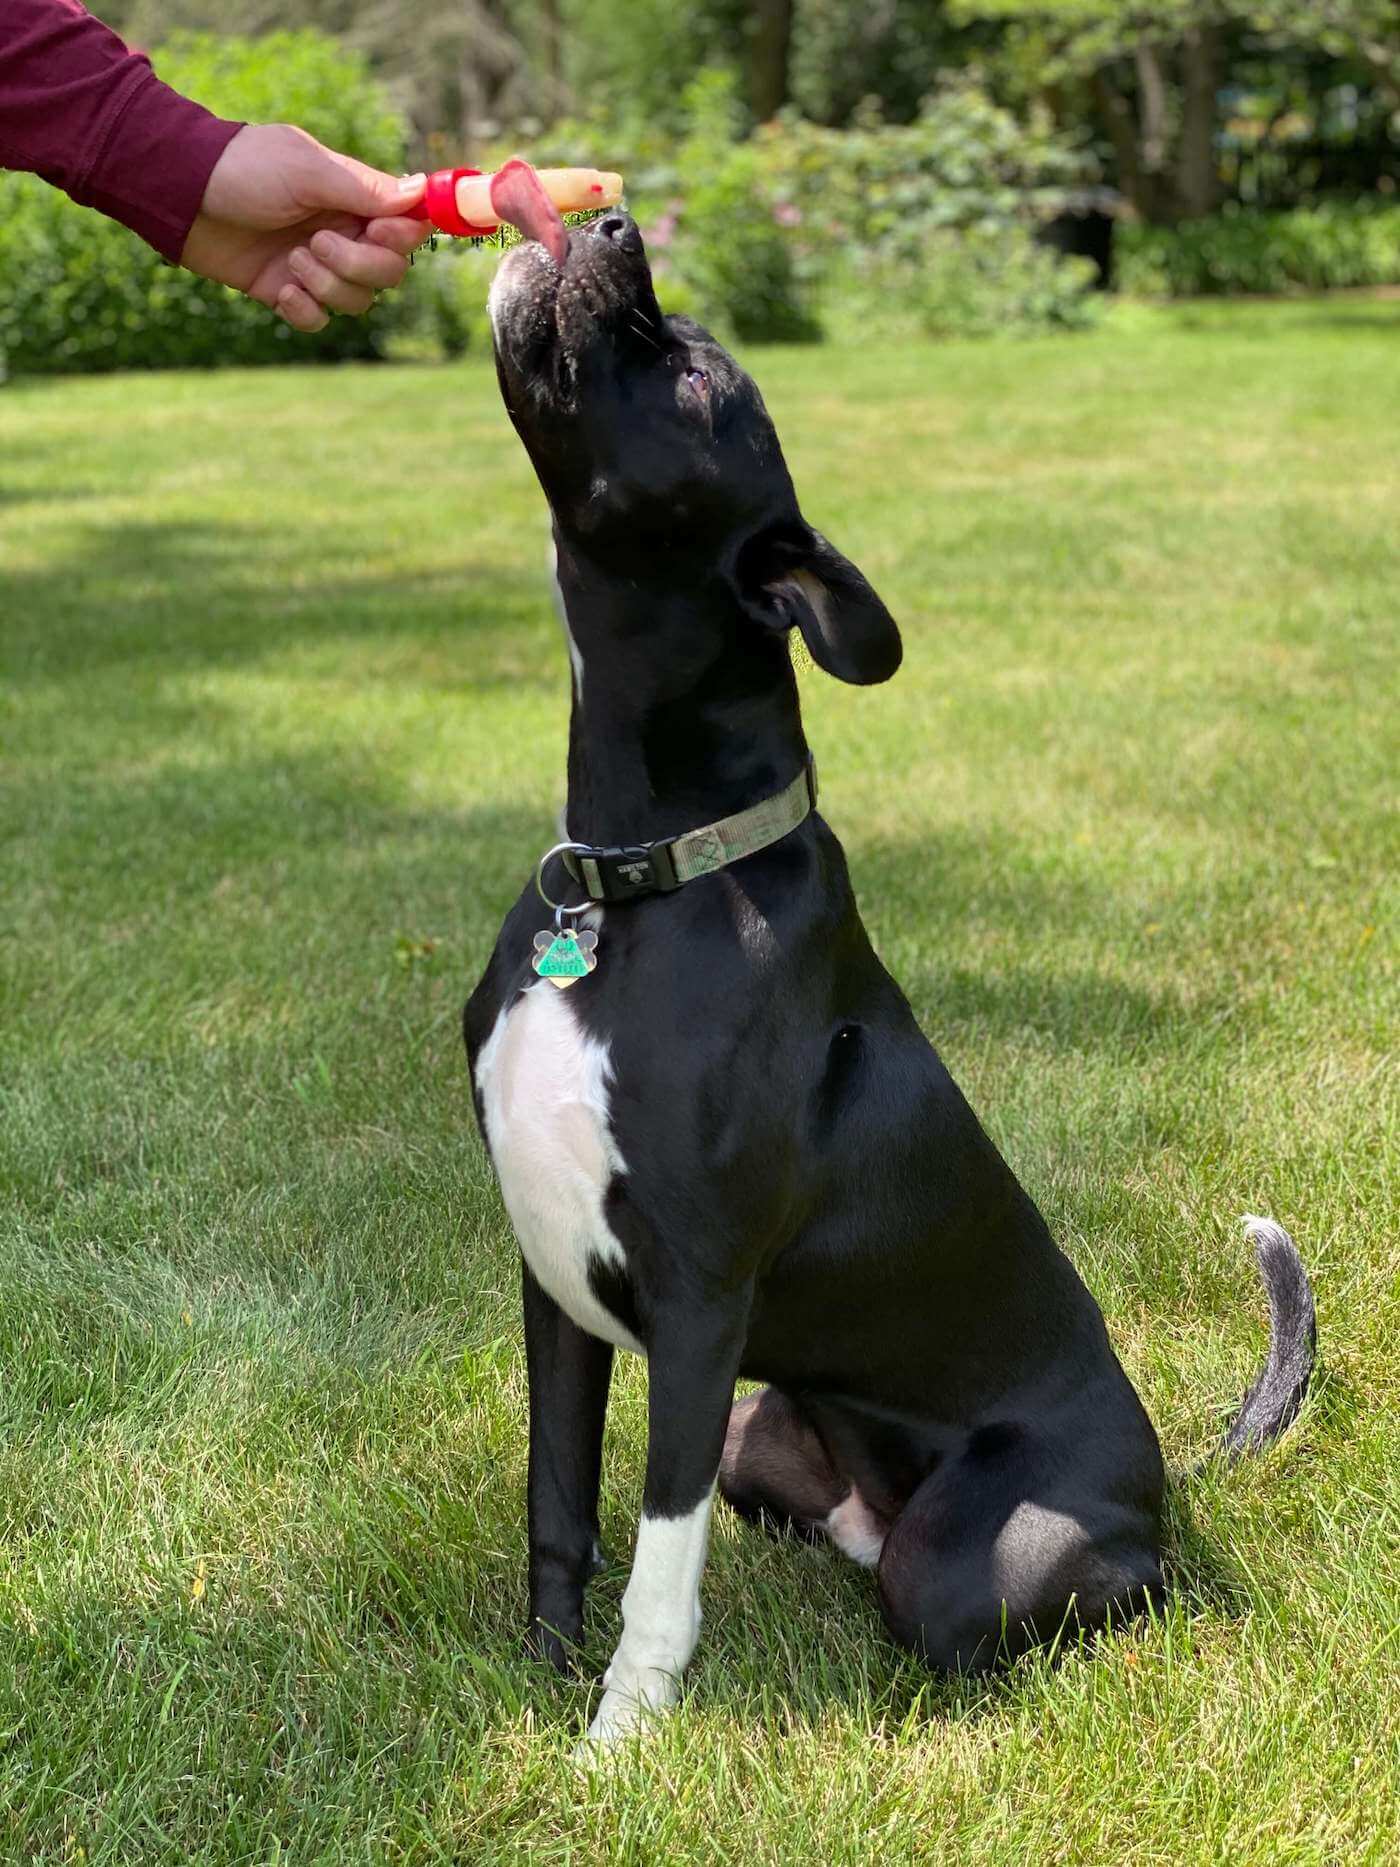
<point x="1273" y="1401"/>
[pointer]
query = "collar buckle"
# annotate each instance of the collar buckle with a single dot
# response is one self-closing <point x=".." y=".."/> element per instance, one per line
<point x="621" y="871"/>
<point x="637" y="869"/>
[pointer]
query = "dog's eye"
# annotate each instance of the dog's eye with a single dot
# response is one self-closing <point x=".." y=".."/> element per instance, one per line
<point x="697" y="379"/>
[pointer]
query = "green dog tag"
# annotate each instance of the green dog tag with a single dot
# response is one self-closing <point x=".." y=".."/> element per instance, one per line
<point x="565" y="957"/>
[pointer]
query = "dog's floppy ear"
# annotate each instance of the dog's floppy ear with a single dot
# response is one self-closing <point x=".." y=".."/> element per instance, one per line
<point x="789" y="576"/>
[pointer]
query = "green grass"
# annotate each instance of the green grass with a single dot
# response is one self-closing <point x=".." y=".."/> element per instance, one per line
<point x="282" y="722"/>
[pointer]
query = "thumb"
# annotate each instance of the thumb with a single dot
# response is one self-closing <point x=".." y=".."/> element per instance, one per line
<point x="351" y="187"/>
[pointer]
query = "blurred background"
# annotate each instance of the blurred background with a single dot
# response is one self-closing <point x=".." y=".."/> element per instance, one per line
<point x="802" y="168"/>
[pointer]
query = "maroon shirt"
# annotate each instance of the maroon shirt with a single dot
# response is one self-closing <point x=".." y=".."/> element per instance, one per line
<point x="91" y="117"/>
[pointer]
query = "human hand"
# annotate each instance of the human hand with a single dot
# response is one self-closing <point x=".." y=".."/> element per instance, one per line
<point x="302" y="228"/>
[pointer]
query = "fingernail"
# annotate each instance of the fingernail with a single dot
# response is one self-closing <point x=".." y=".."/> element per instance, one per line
<point x="299" y="259"/>
<point x="322" y="244"/>
<point x="410" y="184"/>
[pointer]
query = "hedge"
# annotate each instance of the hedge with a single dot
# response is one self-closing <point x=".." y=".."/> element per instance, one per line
<point x="1304" y="249"/>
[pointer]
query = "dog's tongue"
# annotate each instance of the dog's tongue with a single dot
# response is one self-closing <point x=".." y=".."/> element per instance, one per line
<point x="516" y="196"/>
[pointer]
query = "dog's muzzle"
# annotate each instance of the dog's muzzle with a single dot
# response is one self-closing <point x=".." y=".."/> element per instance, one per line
<point x="540" y="310"/>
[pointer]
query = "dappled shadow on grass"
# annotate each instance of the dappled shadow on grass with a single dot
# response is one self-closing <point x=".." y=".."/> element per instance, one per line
<point x="242" y="928"/>
<point x="12" y="497"/>
<point x="950" y="880"/>
<point x="23" y="452"/>
<point x="315" y="817"/>
<point x="1263" y="317"/>
<point x="1077" y="1010"/>
<point x="1378" y="320"/>
<point x="190" y="827"/>
<point x="182" y="595"/>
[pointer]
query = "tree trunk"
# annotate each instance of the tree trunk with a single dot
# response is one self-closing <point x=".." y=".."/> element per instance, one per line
<point x="1198" y="169"/>
<point x="770" y="44"/>
<point x="1152" y="132"/>
<point x="552" y="58"/>
<point x="1116" y="112"/>
<point x="491" y="59"/>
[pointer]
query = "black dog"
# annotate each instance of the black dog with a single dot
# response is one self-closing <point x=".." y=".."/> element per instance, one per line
<point x="730" y="1148"/>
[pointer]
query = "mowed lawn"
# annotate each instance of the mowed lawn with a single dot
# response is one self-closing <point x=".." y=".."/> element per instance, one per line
<point x="282" y="722"/>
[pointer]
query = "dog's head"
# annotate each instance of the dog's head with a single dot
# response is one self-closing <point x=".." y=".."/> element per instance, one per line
<point x="655" y="451"/>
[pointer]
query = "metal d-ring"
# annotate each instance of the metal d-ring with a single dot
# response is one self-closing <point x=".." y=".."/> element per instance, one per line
<point x="560" y="909"/>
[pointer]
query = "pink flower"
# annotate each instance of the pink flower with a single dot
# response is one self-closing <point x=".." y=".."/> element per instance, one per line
<point x="788" y="214"/>
<point x="662" y="232"/>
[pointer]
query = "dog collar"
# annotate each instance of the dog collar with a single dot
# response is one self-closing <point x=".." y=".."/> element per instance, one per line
<point x="624" y="872"/>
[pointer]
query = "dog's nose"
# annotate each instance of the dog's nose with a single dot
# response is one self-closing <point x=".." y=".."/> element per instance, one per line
<point x="622" y="230"/>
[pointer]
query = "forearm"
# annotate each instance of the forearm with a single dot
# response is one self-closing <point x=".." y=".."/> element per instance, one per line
<point x="79" y="109"/>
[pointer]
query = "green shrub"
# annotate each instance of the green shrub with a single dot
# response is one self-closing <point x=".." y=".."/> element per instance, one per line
<point x="729" y="246"/>
<point x="441" y="306"/>
<point x="737" y="263"/>
<point x="964" y="162"/>
<point x="469" y="276"/>
<point x="79" y="293"/>
<point x="987" y="281"/>
<point x="1307" y="249"/>
<point x="927" y="227"/>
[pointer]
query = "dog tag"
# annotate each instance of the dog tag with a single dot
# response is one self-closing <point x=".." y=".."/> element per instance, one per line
<point x="565" y="957"/>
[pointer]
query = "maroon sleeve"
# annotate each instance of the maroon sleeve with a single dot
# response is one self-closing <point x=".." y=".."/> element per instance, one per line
<point x="91" y="117"/>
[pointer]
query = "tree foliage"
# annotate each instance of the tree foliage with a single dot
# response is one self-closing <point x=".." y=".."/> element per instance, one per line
<point x="1155" y="78"/>
<point x="1179" y="93"/>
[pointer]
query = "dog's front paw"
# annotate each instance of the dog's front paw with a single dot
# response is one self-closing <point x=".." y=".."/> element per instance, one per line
<point x="561" y="1647"/>
<point x="634" y="1697"/>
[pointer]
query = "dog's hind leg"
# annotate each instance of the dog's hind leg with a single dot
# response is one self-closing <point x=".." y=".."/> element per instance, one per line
<point x="1011" y="1544"/>
<point x="776" y="1471"/>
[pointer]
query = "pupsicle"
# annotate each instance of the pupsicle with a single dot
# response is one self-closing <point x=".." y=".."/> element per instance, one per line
<point x="467" y="203"/>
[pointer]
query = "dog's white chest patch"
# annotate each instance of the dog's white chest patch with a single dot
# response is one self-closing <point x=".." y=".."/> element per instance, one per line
<point x="543" y="1084"/>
